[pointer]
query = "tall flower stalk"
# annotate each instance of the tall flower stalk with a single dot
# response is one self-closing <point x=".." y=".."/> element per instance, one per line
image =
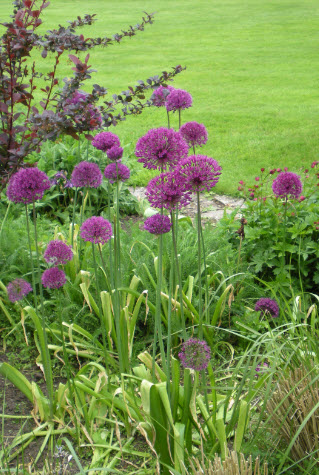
<point x="159" y="224"/>
<point x="97" y="230"/>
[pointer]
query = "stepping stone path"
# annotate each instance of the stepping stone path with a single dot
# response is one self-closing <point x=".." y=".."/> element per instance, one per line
<point x="212" y="207"/>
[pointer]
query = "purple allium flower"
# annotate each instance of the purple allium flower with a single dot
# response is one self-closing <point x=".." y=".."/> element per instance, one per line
<point x="17" y="289"/>
<point x="105" y="140"/>
<point x="160" y="94"/>
<point x="169" y="191"/>
<point x="27" y="185"/>
<point x="200" y="172"/>
<point x="160" y="148"/>
<point x="261" y="368"/>
<point x="114" y="153"/>
<point x="158" y="224"/>
<point x="195" y="354"/>
<point x="267" y="306"/>
<point x="57" y="252"/>
<point x="53" y="278"/>
<point x="194" y="133"/>
<point x="178" y="99"/>
<point x="96" y="229"/>
<point x="86" y="174"/>
<point x="287" y="183"/>
<point x="117" y="172"/>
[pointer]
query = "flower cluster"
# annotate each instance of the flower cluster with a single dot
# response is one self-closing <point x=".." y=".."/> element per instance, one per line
<point x="96" y="229"/>
<point x="116" y="172"/>
<point x="194" y="134"/>
<point x="158" y="224"/>
<point x="160" y="94"/>
<point x="86" y="174"/>
<point x="105" y="140"/>
<point x="169" y="191"/>
<point x="200" y="172"/>
<point x="114" y="153"/>
<point x="178" y="99"/>
<point x="57" y="252"/>
<point x="287" y="183"/>
<point x="27" y="185"/>
<point x="17" y="289"/>
<point x="161" y="148"/>
<point x="267" y="306"/>
<point x="53" y="278"/>
<point x="195" y="354"/>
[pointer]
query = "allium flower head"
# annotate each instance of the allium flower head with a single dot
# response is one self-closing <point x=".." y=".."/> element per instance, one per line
<point x="169" y="191"/>
<point x="287" y="183"/>
<point x="105" y="140"/>
<point x="116" y="172"/>
<point x="114" y="153"/>
<point x="57" y="252"/>
<point x="96" y="229"/>
<point x="27" y="185"/>
<point x="161" y="148"/>
<point x="178" y="100"/>
<point x="17" y="289"/>
<point x="195" y="354"/>
<point x="200" y="172"/>
<point x="160" y="94"/>
<point x="86" y="174"/>
<point x="267" y="306"/>
<point x="158" y="224"/>
<point x="77" y="97"/>
<point x="194" y="133"/>
<point x="53" y="278"/>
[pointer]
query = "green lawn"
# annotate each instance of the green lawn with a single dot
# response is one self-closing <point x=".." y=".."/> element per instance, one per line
<point x="251" y="69"/>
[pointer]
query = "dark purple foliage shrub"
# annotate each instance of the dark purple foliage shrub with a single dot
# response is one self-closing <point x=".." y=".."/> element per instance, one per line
<point x="25" y="125"/>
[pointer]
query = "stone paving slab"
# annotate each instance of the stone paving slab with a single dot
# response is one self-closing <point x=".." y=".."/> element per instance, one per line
<point x="212" y="207"/>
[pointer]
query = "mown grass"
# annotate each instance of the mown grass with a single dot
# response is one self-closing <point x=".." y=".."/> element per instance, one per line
<point x="250" y="69"/>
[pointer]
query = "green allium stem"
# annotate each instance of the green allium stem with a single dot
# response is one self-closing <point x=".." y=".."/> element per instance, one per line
<point x="31" y="258"/>
<point x="73" y="216"/>
<point x="47" y="362"/>
<point x="100" y="308"/>
<point x="179" y="280"/>
<point x="199" y="225"/>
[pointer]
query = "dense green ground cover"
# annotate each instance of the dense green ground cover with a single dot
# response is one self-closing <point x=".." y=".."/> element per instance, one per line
<point x="250" y="68"/>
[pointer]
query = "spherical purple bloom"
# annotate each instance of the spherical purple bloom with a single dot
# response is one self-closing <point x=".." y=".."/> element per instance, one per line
<point x="158" y="224"/>
<point x="178" y="100"/>
<point x="57" y="252"/>
<point x="160" y="148"/>
<point x="267" y="306"/>
<point x="195" y="354"/>
<point x="117" y="172"/>
<point x="200" y="172"/>
<point x="114" y="153"/>
<point x="86" y="174"/>
<point x="160" y="94"/>
<point x="53" y="278"/>
<point x="169" y="191"/>
<point x="194" y="133"/>
<point x="96" y="229"/>
<point x="27" y="185"/>
<point x="17" y="289"/>
<point x="105" y="140"/>
<point x="287" y="183"/>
